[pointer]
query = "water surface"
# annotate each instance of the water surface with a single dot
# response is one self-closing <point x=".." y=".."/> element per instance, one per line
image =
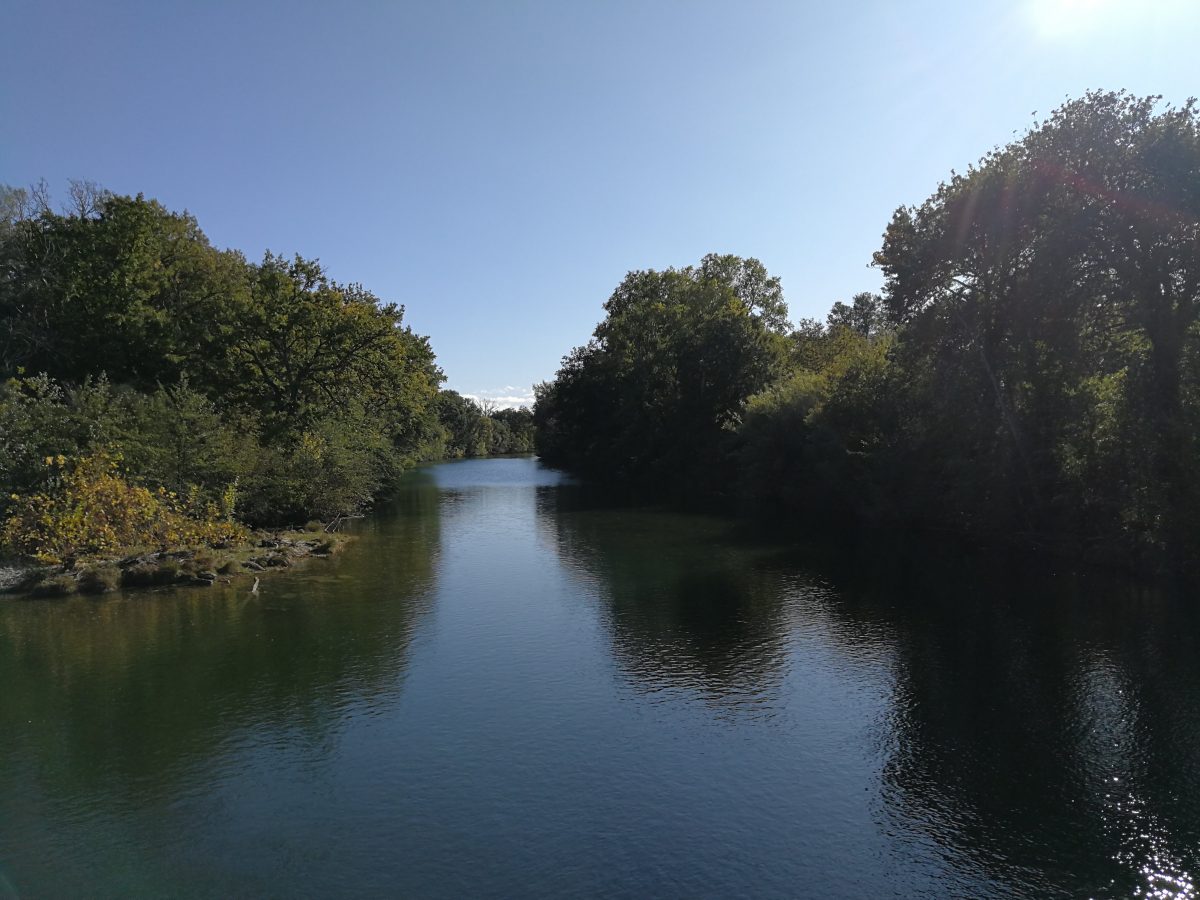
<point x="510" y="686"/>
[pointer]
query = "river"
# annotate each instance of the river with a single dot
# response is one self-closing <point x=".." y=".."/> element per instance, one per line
<point x="515" y="686"/>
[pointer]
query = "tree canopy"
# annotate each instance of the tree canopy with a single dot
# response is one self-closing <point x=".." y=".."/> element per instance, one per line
<point x="123" y="331"/>
<point x="1047" y="303"/>
<point x="664" y="377"/>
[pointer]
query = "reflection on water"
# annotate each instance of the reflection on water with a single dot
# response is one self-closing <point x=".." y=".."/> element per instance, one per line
<point x="1020" y="733"/>
<point x="687" y="610"/>
<point x="1045" y="731"/>
<point x="118" y="712"/>
<point x="511" y="686"/>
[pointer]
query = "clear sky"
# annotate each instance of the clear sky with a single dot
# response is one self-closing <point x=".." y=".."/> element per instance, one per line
<point x="499" y="166"/>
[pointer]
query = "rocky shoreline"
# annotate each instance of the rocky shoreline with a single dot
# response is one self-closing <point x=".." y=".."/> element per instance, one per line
<point x="203" y="567"/>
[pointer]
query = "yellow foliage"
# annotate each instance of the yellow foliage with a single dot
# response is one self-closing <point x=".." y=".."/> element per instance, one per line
<point x="91" y="510"/>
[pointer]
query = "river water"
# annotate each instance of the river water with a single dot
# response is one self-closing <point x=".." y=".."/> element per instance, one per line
<point x="510" y="686"/>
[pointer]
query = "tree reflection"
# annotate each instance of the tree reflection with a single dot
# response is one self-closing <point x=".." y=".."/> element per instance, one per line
<point x="1047" y="729"/>
<point x="125" y="693"/>
<point x="1042" y="734"/>
<point x="689" y="607"/>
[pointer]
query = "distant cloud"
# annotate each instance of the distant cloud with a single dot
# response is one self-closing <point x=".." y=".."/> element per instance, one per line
<point x="509" y="400"/>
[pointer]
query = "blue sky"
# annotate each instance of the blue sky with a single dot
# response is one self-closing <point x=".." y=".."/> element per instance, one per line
<point x="497" y="167"/>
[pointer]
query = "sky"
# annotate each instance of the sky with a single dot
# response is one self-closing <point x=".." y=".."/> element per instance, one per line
<point x="497" y="167"/>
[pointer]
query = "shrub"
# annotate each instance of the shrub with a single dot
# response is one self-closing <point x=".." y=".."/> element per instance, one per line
<point x="40" y="417"/>
<point x="177" y="437"/>
<point x="199" y="562"/>
<point x="333" y="469"/>
<point x="147" y="574"/>
<point x="89" y="509"/>
<point x="139" y="575"/>
<point x="99" y="580"/>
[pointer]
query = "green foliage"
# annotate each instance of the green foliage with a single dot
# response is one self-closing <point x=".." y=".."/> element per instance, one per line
<point x="783" y="450"/>
<point x="813" y="442"/>
<point x="297" y="346"/>
<point x="463" y="426"/>
<point x="173" y="437"/>
<point x="653" y="396"/>
<point x="512" y="431"/>
<point x="122" y="286"/>
<point x="122" y="328"/>
<point x="864" y="315"/>
<point x="42" y="418"/>
<point x="476" y="428"/>
<point x="334" y="468"/>
<point x="1031" y="372"/>
<point x="99" y="579"/>
<point x="89" y="509"/>
<point x="1048" y="300"/>
<point x="178" y="437"/>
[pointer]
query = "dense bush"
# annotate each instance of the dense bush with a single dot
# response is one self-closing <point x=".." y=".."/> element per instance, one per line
<point x="88" y="509"/>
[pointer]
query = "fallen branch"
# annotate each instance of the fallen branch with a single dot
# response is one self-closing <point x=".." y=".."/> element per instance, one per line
<point x="336" y="522"/>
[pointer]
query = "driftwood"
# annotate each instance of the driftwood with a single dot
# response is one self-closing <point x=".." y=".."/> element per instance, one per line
<point x="336" y="522"/>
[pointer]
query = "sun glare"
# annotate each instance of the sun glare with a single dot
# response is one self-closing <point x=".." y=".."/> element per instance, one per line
<point x="1072" y="18"/>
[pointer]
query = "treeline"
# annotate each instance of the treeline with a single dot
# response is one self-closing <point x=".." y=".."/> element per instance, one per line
<point x="480" y="428"/>
<point x="263" y="389"/>
<point x="1031" y="372"/>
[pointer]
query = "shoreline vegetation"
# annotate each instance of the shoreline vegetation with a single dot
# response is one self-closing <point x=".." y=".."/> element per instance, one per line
<point x="161" y="396"/>
<point x="1028" y="378"/>
<point x="259" y="554"/>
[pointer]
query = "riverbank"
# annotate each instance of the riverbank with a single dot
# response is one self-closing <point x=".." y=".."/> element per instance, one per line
<point x="264" y="553"/>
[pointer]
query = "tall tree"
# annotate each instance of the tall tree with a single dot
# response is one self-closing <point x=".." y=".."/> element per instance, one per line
<point x="667" y="371"/>
<point x="120" y="285"/>
<point x="1049" y="297"/>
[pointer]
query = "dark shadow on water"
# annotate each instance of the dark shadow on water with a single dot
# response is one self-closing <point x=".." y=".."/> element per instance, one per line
<point x="1047" y="729"/>
<point x="682" y="602"/>
<point x="1043" y="729"/>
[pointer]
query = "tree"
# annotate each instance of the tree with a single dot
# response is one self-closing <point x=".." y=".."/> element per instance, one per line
<point x="519" y="429"/>
<point x="462" y="422"/>
<point x="121" y="286"/>
<point x="1049" y="300"/>
<point x="864" y="314"/>
<point x="667" y="372"/>
<point x="298" y="345"/>
<point x="203" y="367"/>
